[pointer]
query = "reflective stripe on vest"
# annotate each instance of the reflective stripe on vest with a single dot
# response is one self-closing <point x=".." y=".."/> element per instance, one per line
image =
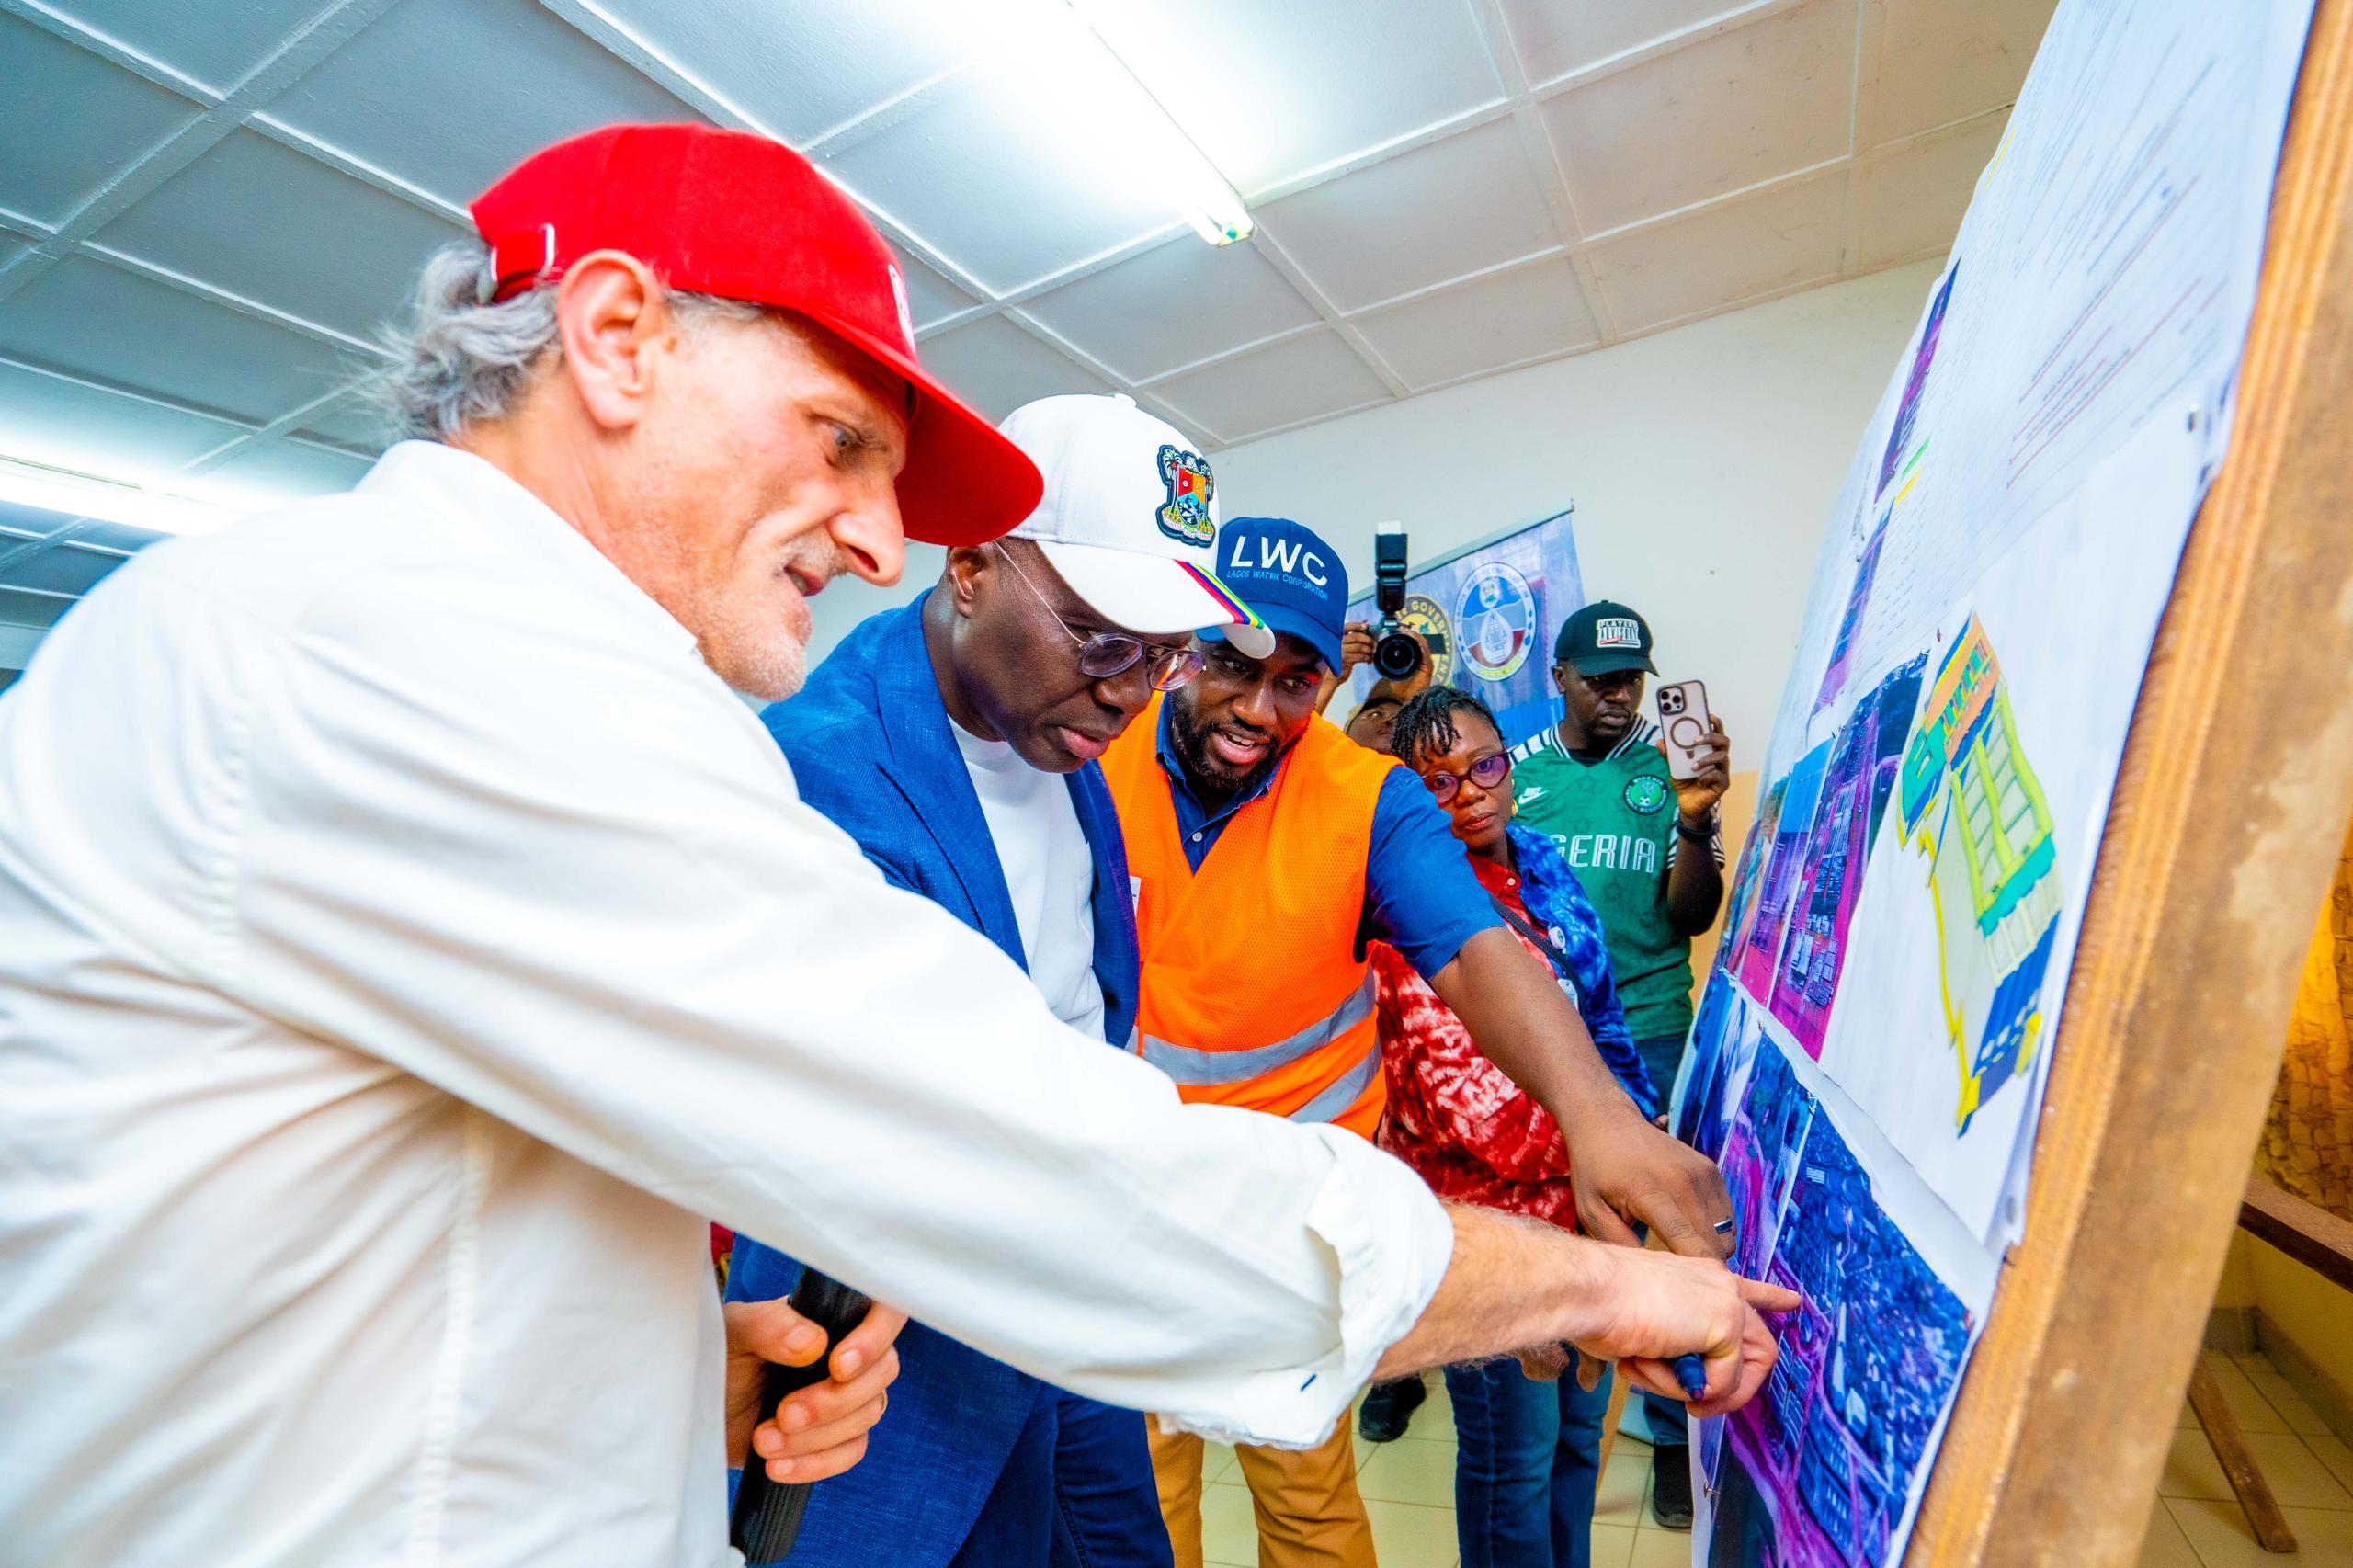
<point x="1336" y="1098"/>
<point x="1218" y="988"/>
<point x="1187" y="1064"/>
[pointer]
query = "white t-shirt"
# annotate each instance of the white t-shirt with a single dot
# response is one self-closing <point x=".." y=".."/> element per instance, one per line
<point x="1049" y="871"/>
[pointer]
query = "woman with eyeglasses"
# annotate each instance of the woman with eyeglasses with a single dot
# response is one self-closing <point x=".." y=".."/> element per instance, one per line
<point x="1528" y="1448"/>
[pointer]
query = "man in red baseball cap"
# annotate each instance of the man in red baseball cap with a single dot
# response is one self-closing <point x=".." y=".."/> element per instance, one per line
<point x="770" y="492"/>
<point x="412" y="943"/>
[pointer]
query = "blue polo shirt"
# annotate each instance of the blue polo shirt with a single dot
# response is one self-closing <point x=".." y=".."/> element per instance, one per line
<point x="1420" y="894"/>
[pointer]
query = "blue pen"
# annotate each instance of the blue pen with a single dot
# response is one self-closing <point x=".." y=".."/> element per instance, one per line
<point x="1692" y="1371"/>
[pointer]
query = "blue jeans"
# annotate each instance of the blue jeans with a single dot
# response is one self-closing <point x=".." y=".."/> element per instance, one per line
<point x="1662" y="1056"/>
<point x="1527" y="1458"/>
<point x="1091" y="1463"/>
<point x="1107" y="1507"/>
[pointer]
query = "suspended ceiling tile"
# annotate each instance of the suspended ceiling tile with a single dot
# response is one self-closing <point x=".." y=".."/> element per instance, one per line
<point x="60" y="569"/>
<point x="1745" y="106"/>
<point x="1501" y="320"/>
<point x="1928" y="62"/>
<point x="20" y="608"/>
<point x="930" y="296"/>
<point x="1457" y="205"/>
<point x="216" y="44"/>
<point x="449" y="94"/>
<point x="89" y="318"/>
<point x="48" y="420"/>
<point x="1721" y="257"/>
<point x="1911" y="202"/>
<point x="260" y="220"/>
<point x="802" y="67"/>
<point x="16" y="518"/>
<point x="274" y="473"/>
<point x="1004" y="174"/>
<point x="996" y="367"/>
<point x="1270" y="92"/>
<point x="1298" y="378"/>
<point x="1555" y="37"/>
<point x="1176" y="304"/>
<point x="69" y="122"/>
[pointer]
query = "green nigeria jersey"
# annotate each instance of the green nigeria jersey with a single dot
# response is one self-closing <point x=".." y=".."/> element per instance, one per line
<point x="1614" y="817"/>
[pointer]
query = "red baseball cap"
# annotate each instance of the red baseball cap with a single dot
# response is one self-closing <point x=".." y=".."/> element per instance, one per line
<point x="730" y="213"/>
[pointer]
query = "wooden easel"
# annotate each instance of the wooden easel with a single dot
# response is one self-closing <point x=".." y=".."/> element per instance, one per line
<point x="2239" y="765"/>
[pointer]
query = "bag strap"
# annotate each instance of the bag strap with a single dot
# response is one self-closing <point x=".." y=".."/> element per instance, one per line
<point x="1520" y="923"/>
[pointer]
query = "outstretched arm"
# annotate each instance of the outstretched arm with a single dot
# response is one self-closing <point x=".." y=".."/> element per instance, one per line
<point x="1624" y="1169"/>
<point x="1515" y="1284"/>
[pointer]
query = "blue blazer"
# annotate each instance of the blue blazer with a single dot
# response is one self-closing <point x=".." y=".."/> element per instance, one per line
<point x="870" y="747"/>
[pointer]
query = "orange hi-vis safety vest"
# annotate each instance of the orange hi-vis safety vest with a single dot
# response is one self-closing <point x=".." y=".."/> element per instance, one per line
<point x="1253" y="993"/>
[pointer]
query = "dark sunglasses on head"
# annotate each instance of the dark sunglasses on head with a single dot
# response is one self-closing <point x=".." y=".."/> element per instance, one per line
<point x="1486" y="773"/>
<point x="1107" y="653"/>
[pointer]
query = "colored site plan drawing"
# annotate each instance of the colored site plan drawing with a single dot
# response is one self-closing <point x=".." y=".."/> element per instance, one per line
<point x="1972" y="806"/>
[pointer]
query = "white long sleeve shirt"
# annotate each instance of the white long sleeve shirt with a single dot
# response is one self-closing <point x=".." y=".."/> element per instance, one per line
<point x="406" y="944"/>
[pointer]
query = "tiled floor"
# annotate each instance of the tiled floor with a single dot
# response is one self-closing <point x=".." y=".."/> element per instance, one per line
<point x="2197" y="1524"/>
<point x="1408" y="1488"/>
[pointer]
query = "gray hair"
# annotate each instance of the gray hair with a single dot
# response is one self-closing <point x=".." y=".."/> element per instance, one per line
<point x="461" y="360"/>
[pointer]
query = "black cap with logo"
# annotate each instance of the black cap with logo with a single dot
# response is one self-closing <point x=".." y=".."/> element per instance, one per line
<point x="1602" y="638"/>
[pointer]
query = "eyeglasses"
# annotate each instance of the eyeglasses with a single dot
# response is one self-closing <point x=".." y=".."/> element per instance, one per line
<point x="1107" y="653"/>
<point x="1487" y="772"/>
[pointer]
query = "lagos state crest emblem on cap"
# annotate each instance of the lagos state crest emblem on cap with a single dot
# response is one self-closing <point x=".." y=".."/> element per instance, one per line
<point x="1185" y="516"/>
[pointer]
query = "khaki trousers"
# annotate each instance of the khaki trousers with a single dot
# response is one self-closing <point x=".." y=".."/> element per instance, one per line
<point x="1310" y="1514"/>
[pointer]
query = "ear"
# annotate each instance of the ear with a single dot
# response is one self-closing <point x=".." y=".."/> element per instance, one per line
<point x="968" y="566"/>
<point x="614" y="324"/>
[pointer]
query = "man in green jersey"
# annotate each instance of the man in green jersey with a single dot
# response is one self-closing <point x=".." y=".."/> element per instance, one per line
<point x="1650" y="855"/>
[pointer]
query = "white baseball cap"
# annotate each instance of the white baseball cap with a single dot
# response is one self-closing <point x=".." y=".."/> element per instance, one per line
<point x="1130" y="514"/>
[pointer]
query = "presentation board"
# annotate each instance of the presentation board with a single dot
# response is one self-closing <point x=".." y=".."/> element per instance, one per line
<point x="1875" y="1038"/>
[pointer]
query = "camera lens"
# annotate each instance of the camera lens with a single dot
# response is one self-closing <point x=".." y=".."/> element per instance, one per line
<point x="1397" y="654"/>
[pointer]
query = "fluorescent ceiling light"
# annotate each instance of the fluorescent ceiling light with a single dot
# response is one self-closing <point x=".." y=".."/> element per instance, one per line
<point x="1138" y="131"/>
<point x="110" y="501"/>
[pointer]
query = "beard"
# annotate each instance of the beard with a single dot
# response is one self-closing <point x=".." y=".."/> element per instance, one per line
<point x="756" y="646"/>
<point x="771" y="673"/>
<point x="1208" y="772"/>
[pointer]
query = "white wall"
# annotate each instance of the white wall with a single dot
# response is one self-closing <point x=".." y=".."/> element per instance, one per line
<point x="1703" y="463"/>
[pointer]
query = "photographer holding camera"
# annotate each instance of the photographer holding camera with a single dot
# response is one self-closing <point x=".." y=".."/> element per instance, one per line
<point x="1398" y="653"/>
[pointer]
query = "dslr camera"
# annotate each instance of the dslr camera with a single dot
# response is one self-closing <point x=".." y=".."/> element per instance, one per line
<point x="1396" y="653"/>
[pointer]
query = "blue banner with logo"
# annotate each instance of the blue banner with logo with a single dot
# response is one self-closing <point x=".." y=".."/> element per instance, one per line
<point x="1489" y="614"/>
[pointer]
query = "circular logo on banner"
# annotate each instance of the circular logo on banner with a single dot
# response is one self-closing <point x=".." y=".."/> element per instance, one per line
<point x="1424" y="614"/>
<point x="1496" y="620"/>
<point x="1645" y="794"/>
